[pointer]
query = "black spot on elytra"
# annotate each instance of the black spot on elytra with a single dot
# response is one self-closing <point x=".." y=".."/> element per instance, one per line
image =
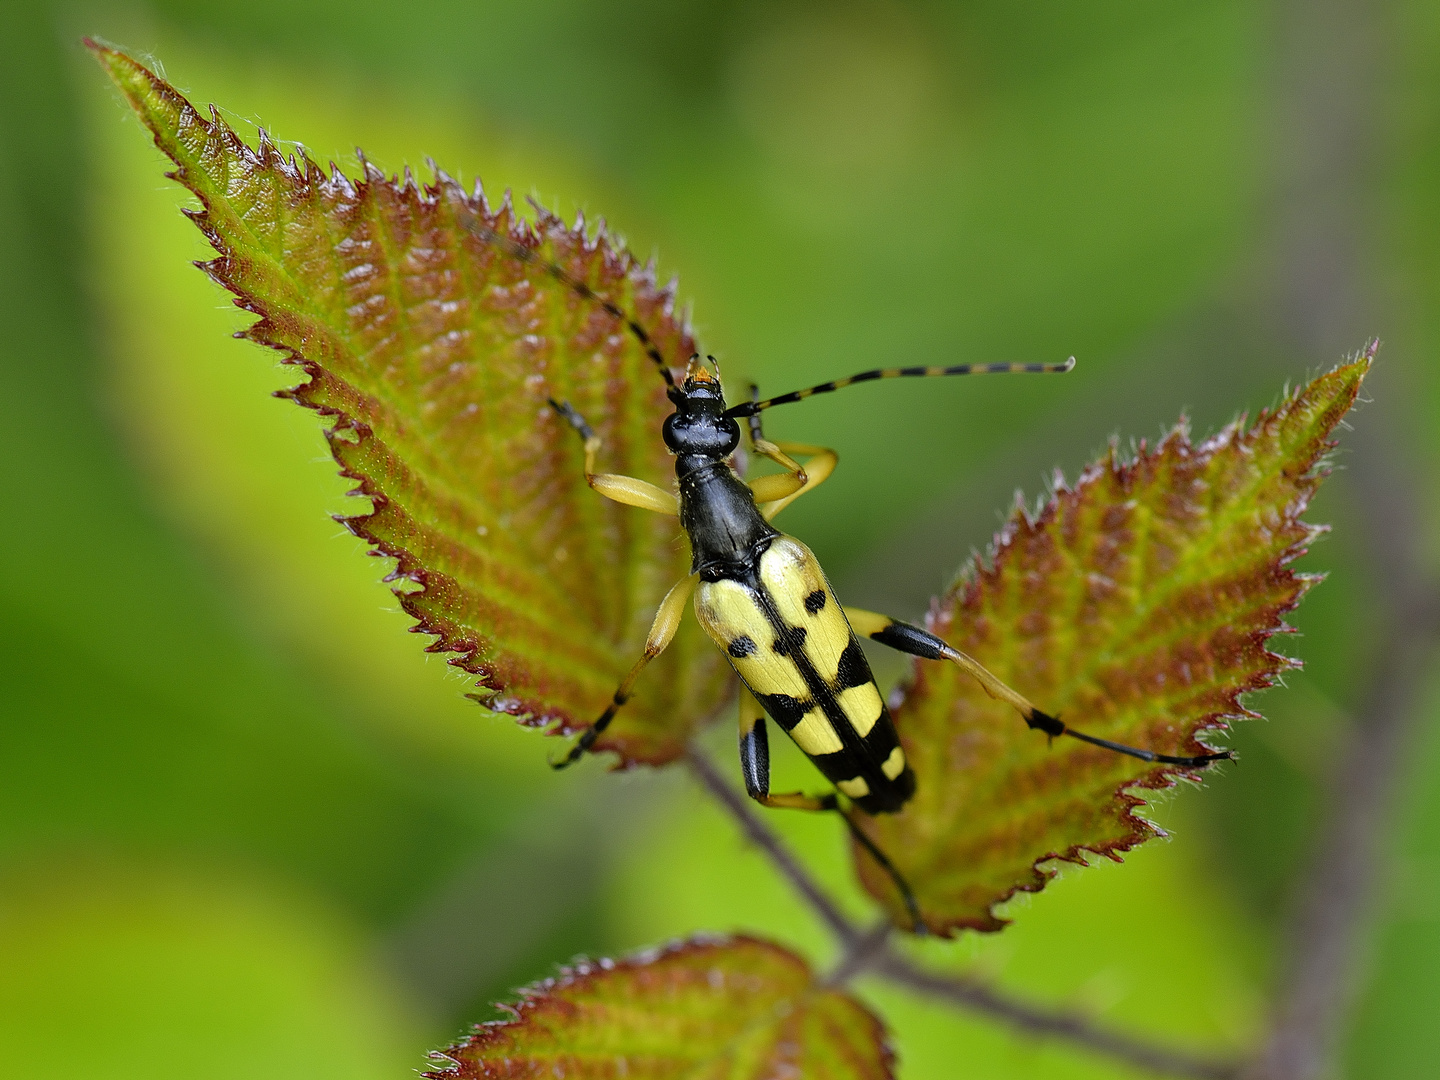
<point x="793" y="640"/>
<point x="743" y="645"/>
<point x="785" y="709"/>
<point x="815" y="601"/>
<point x="853" y="670"/>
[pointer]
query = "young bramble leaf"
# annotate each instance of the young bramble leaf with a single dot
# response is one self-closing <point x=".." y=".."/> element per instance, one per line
<point x="1136" y="606"/>
<point x="433" y="350"/>
<point x="722" y="1009"/>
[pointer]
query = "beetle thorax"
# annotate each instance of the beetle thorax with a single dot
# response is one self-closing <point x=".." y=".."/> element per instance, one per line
<point x="726" y="529"/>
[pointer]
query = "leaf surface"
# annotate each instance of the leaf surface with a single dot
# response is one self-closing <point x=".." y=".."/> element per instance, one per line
<point x="1136" y="606"/>
<point x="432" y="351"/>
<point x="706" y="1009"/>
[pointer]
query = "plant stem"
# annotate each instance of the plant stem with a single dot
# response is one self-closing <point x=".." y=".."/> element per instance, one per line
<point x="862" y="955"/>
<point x="870" y="951"/>
<point x="1332" y="913"/>
<point x="975" y="996"/>
<point x="768" y="842"/>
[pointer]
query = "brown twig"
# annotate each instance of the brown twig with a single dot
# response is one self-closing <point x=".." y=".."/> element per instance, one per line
<point x="766" y="840"/>
<point x="1342" y="880"/>
<point x="1033" y="1020"/>
<point x="862" y="955"/>
<point x="870" y="951"/>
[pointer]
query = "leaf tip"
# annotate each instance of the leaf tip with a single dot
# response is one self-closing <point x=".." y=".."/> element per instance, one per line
<point x="104" y="52"/>
<point x="1352" y="371"/>
<point x="116" y="63"/>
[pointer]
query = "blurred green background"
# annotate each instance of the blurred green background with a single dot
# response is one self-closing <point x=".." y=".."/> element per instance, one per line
<point x="247" y="828"/>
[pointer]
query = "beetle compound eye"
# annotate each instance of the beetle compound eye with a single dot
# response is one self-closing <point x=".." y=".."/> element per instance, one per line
<point x="732" y="436"/>
<point x="667" y="432"/>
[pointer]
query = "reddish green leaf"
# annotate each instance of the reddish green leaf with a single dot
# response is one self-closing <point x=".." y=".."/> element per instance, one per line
<point x="432" y="352"/>
<point x="1136" y="606"/>
<point x="717" y="1009"/>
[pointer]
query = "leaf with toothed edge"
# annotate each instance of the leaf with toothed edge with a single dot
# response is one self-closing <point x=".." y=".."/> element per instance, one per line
<point x="432" y="352"/>
<point x="1136" y="606"/>
<point x="713" y="1008"/>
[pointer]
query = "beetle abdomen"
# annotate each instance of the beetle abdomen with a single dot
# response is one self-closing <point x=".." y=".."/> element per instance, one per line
<point x="788" y="639"/>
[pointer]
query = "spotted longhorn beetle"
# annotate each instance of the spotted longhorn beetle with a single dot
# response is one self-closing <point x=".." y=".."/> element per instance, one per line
<point x="763" y="598"/>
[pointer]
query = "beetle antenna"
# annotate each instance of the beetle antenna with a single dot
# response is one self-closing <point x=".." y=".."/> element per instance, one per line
<point x="473" y="224"/>
<point x="750" y="408"/>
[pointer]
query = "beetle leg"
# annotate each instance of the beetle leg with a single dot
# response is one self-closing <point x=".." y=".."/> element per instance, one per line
<point x="755" y="767"/>
<point x="774" y="493"/>
<point x="917" y="642"/>
<point x="662" y="632"/>
<point x="820" y="462"/>
<point x="622" y="489"/>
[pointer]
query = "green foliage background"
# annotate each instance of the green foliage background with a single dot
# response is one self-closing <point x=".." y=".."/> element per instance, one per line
<point x="243" y="816"/>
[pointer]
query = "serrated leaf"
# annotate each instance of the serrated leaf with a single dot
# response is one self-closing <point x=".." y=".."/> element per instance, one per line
<point x="707" y="1009"/>
<point x="433" y="352"/>
<point x="1136" y="606"/>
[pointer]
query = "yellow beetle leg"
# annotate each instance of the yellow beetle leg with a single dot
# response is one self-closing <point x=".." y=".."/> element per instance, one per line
<point x="662" y="632"/>
<point x="622" y="489"/>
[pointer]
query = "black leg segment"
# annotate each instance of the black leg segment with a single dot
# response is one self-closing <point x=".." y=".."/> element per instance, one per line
<point x="1196" y="762"/>
<point x="911" y="639"/>
<point x="917" y="642"/>
<point x="589" y="735"/>
<point x="662" y="632"/>
<point x="755" y="760"/>
<point x="911" y="905"/>
<point x="755" y="767"/>
<point x="573" y="418"/>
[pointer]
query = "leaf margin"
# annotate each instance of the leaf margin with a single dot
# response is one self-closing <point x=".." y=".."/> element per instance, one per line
<point x="582" y="975"/>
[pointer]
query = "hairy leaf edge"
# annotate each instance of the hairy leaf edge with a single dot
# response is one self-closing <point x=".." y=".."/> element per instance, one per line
<point x="582" y="974"/>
